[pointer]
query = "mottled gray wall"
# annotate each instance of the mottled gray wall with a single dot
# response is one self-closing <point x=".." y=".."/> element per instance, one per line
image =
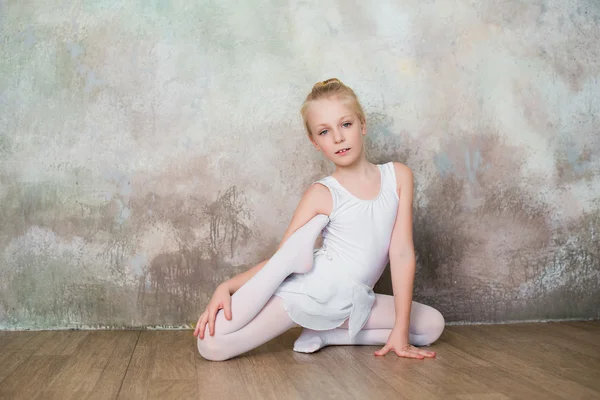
<point x="150" y="149"/>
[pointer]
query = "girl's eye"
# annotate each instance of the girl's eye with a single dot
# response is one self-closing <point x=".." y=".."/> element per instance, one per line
<point x="322" y="132"/>
<point x="347" y="123"/>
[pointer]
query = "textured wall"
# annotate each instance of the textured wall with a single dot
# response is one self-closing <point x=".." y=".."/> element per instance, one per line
<point x="150" y="149"/>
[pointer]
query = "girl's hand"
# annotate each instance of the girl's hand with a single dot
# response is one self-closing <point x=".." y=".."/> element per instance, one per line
<point x="221" y="299"/>
<point x="399" y="344"/>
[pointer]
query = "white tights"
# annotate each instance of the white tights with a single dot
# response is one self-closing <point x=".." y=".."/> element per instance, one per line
<point x="258" y="316"/>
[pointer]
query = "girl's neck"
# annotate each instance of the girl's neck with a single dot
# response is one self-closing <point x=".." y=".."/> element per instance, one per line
<point x="361" y="169"/>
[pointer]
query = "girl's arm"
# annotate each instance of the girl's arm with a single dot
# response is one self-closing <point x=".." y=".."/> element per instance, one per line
<point x="316" y="200"/>
<point x="237" y="281"/>
<point x="402" y="265"/>
<point x="402" y="253"/>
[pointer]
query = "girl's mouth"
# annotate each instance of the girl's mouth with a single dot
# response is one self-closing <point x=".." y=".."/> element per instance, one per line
<point x="342" y="151"/>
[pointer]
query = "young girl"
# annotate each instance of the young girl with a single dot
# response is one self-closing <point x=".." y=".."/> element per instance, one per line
<point x="364" y="212"/>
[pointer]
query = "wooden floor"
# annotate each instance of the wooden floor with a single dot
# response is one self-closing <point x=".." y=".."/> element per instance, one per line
<point x="521" y="361"/>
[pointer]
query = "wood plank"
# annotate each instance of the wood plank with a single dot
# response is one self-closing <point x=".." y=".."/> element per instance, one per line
<point x="20" y="348"/>
<point x="173" y="388"/>
<point x="24" y="345"/>
<point x="175" y="352"/>
<point x="417" y="378"/>
<point x="560" y="358"/>
<point x="11" y="340"/>
<point x="31" y="376"/>
<point x="111" y="378"/>
<point x="356" y="380"/>
<point x="399" y="373"/>
<point x="591" y="326"/>
<point x="501" y="355"/>
<point x="309" y="376"/>
<point x="11" y="359"/>
<point x="553" y="333"/>
<point x="174" y="372"/>
<point x="139" y="372"/>
<point x="510" y="383"/>
<point x="219" y="380"/>
<point x="83" y="368"/>
<point x="586" y="334"/>
<point x="33" y="340"/>
<point x="5" y="338"/>
<point x="447" y="379"/>
<point x="63" y="343"/>
<point x="440" y="377"/>
<point x="262" y="376"/>
<point x="492" y="396"/>
<point x="162" y="365"/>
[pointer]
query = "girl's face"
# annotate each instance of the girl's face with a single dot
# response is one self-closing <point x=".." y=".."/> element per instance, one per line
<point x="336" y="130"/>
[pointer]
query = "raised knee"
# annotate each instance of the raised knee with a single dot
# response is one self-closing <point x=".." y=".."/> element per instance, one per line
<point x="211" y="348"/>
<point x="430" y="328"/>
<point x="436" y="325"/>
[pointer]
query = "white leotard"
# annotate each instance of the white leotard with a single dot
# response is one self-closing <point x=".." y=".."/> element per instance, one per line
<point x="351" y="260"/>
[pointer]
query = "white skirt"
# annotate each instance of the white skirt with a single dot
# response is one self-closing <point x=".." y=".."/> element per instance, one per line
<point x="326" y="296"/>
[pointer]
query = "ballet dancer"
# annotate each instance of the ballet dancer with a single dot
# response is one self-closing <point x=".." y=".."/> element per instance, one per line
<point x="364" y="213"/>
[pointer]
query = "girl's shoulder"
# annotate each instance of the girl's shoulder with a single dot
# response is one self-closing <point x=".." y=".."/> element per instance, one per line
<point x="318" y="195"/>
<point x="404" y="175"/>
<point x="400" y="168"/>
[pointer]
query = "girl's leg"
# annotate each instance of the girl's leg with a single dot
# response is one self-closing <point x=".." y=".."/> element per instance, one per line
<point x="258" y="316"/>
<point x="296" y="255"/>
<point x="426" y="326"/>
<point x="270" y="322"/>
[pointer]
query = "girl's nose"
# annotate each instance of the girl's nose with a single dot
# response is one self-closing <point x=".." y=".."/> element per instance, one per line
<point x="338" y="137"/>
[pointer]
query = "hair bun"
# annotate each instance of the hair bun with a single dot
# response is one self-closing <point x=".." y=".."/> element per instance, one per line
<point x="330" y="80"/>
<point x="327" y="81"/>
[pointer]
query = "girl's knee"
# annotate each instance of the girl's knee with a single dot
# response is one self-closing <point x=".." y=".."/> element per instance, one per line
<point x="429" y="328"/>
<point x="435" y="326"/>
<point x="439" y="322"/>
<point x="212" y="348"/>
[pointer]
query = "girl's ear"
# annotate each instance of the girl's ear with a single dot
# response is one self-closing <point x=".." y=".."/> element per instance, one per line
<point x="364" y="128"/>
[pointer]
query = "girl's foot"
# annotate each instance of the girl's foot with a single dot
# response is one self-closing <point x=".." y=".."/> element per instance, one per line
<point x="310" y="341"/>
<point x="302" y="244"/>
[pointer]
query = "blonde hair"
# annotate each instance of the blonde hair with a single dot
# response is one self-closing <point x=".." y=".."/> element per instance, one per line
<point x="332" y="88"/>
